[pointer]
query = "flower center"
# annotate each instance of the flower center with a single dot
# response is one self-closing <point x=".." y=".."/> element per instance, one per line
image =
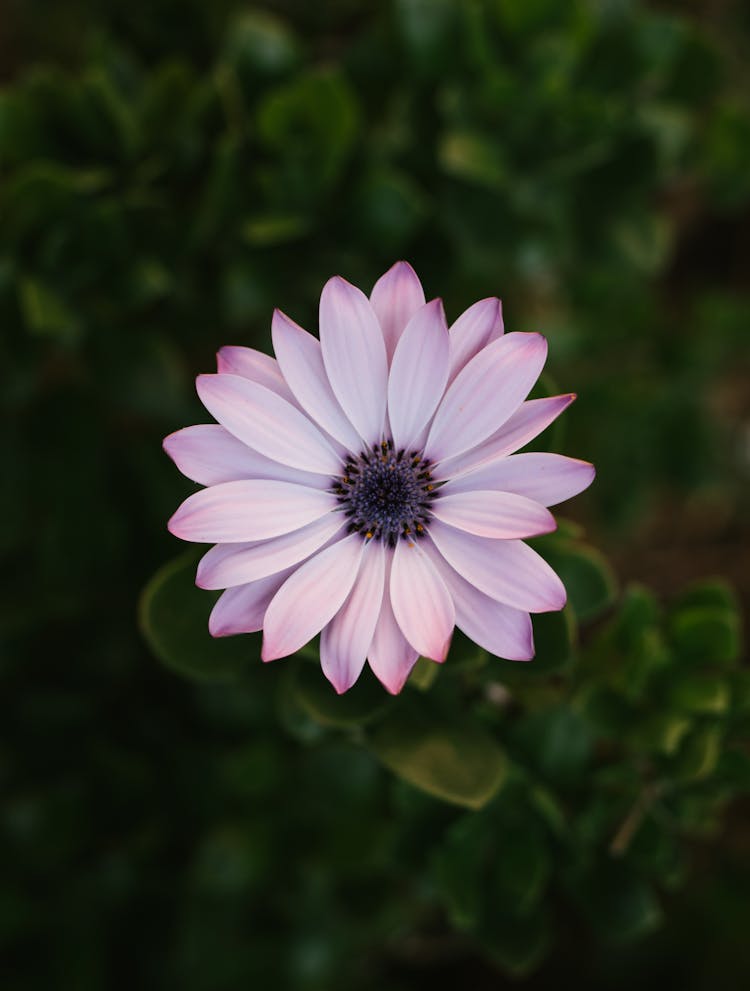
<point x="386" y="494"/>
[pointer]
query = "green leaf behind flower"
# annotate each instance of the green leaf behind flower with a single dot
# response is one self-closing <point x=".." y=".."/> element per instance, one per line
<point x="173" y="617"/>
<point x="458" y="763"/>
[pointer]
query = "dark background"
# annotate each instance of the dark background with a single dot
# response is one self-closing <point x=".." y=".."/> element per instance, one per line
<point x="171" y="171"/>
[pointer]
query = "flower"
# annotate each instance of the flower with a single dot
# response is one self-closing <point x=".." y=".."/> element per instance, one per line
<point x="365" y="486"/>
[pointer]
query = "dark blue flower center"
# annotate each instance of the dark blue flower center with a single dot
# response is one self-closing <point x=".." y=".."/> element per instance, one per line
<point x="386" y="494"/>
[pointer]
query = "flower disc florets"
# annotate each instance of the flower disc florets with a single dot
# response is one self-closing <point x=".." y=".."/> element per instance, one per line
<point x="386" y="494"/>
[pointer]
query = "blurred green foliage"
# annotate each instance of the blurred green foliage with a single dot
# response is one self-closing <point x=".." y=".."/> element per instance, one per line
<point x="170" y="172"/>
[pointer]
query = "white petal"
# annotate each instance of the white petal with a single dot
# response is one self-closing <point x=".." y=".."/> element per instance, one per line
<point x="354" y="356"/>
<point x="390" y="656"/>
<point x="500" y="629"/>
<point x="492" y="514"/>
<point x="506" y="570"/>
<point x="301" y="360"/>
<point x="257" y="509"/>
<point x="418" y="373"/>
<point x="345" y="641"/>
<point x="253" y="365"/>
<point x="208" y="454"/>
<point x="310" y="598"/>
<point x="241" y="609"/>
<point x="485" y="393"/>
<point x="395" y="298"/>
<point x="529" y="420"/>
<point x="226" y="565"/>
<point x="477" y="327"/>
<point x="267" y="423"/>
<point x="421" y="603"/>
<point x="545" y="478"/>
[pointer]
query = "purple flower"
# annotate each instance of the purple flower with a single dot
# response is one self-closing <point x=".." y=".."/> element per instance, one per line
<point x="364" y="486"/>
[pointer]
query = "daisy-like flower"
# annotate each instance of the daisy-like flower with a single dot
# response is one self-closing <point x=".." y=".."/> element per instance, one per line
<point x="364" y="485"/>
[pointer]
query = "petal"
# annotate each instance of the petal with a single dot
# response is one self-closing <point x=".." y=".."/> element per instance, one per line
<point x="310" y="598"/>
<point x="492" y="514"/>
<point x="253" y="365"/>
<point x="301" y="361"/>
<point x="267" y="423"/>
<point x="241" y="609"/>
<point x="226" y="565"/>
<point x="354" y="356"/>
<point x="421" y="603"/>
<point x="208" y="454"/>
<point x="390" y="656"/>
<point x="395" y="298"/>
<point x="500" y="629"/>
<point x="506" y="570"/>
<point x="545" y="478"/>
<point x="418" y="373"/>
<point x="529" y="420"/>
<point x="485" y="393"/>
<point x="345" y="641"/>
<point x="256" y="509"/>
<point x="477" y="327"/>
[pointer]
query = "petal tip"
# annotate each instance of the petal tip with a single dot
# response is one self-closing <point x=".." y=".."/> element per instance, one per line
<point x="173" y="525"/>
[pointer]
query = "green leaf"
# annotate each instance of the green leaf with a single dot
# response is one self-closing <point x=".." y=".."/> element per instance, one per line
<point x="271" y="229"/>
<point x="488" y="866"/>
<point x="459" y="866"/>
<point x="259" y="42"/>
<point x="388" y="208"/>
<point x="701" y="694"/>
<point x="715" y="593"/>
<point x="311" y="123"/>
<point x="587" y="576"/>
<point x="46" y="314"/>
<point x="522" y="865"/>
<point x="619" y="904"/>
<point x="364" y="702"/>
<point x="458" y="763"/>
<point x="558" y="742"/>
<point x="554" y="636"/>
<point x="473" y="158"/>
<point x="699" y="754"/>
<point x="173" y="617"/>
<point x="424" y="673"/>
<point x="517" y="945"/>
<point x="662" y="734"/>
<point x="706" y="634"/>
<point x="427" y="28"/>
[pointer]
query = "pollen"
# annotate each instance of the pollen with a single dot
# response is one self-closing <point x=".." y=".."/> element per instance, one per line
<point x="386" y="497"/>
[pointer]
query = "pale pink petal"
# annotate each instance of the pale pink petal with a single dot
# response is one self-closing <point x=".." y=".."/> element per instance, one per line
<point x="301" y="360"/>
<point x="208" y="454"/>
<point x="395" y="298"/>
<point x="253" y="365"/>
<point x="529" y="420"/>
<point x="241" y="609"/>
<point x="485" y="393"/>
<point x="421" y="603"/>
<point x="345" y="641"/>
<point x="354" y="356"/>
<point x="310" y="598"/>
<point x="500" y="629"/>
<point x="477" y="327"/>
<point x="256" y="509"/>
<point x="492" y="514"/>
<point x="267" y="423"/>
<point x="506" y="570"/>
<point x="545" y="478"/>
<point x="390" y="656"/>
<point x="226" y="565"/>
<point x="418" y="373"/>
